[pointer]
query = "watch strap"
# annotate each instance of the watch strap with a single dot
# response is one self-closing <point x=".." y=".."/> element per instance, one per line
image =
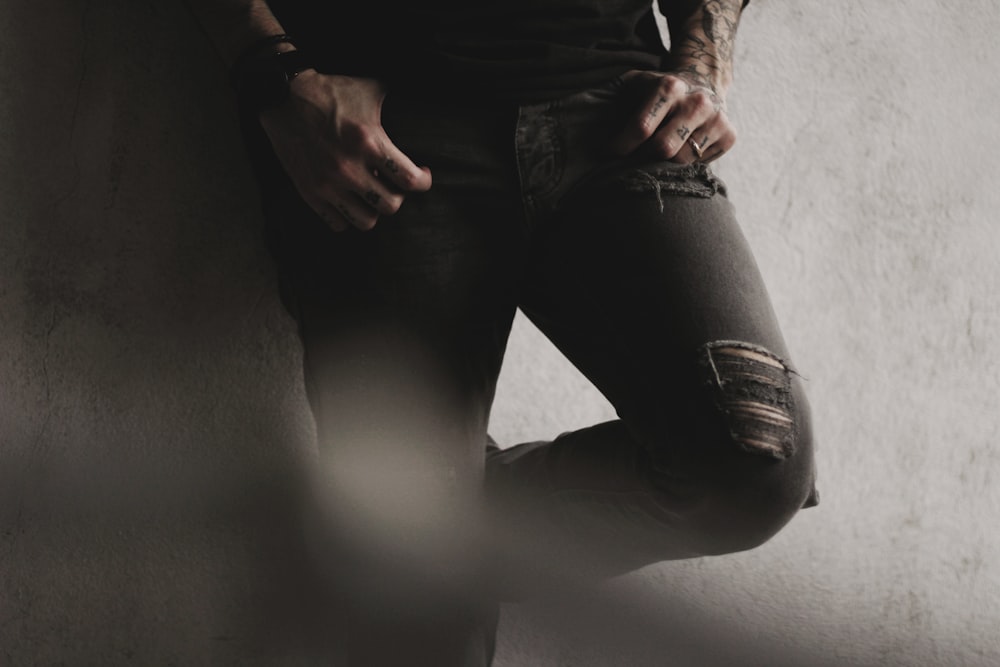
<point x="294" y="62"/>
<point x="263" y="82"/>
<point x="251" y="53"/>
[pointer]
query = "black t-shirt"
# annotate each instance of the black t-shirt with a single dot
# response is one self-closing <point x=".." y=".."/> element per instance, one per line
<point x="523" y="50"/>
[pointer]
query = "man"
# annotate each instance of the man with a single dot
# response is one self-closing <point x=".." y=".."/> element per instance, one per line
<point x="428" y="168"/>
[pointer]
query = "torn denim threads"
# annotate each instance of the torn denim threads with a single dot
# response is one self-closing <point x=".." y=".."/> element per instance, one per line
<point x="695" y="180"/>
<point x="752" y="389"/>
<point x="564" y="147"/>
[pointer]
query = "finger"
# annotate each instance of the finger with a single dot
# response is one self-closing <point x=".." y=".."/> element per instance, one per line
<point x="313" y="198"/>
<point x="335" y="204"/>
<point x="689" y="153"/>
<point x="695" y="148"/>
<point x="344" y="189"/>
<point x="718" y="149"/>
<point x="393" y="166"/>
<point x="337" y="223"/>
<point x="328" y="213"/>
<point x="712" y="155"/>
<point x="675" y="143"/>
<point x="378" y="196"/>
<point x="327" y="185"/>
<point x="671" y="141"/>
<point x="355" y="211"/>
<point x="357" y="195"/>
<point x="714" y="138"/>
<point x="657" y="103"/>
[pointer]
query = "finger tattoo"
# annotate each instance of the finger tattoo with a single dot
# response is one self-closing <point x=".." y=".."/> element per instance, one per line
<point x="346" y="214"/>
<point x="682" y="131"/>
<point x="372" y="197"/>
<point x="714" y="155"/>
<point x="657" y="106"/>
<point x="391" y="166"/>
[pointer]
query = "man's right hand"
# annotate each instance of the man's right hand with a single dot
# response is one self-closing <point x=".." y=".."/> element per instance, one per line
<point x="328" y="136"/>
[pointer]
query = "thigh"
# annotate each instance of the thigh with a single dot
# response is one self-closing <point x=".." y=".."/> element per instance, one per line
<point x="403" y="330"/>
<point x="638" y="270"/>
<point x="430" y="292"/>
<point x="645" y="281"/>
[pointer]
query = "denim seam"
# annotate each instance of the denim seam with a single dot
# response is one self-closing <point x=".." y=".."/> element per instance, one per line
<point x="552" y="124"/>
<point x="527" y="205"/>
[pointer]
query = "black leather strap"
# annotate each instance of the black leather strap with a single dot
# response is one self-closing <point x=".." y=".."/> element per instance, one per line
<point x="251" y="53"/>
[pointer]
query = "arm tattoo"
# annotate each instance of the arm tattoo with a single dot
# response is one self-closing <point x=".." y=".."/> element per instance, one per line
<point x="702" y="39"/>
<point x="719" y="22"/>
<point x="697" y="82"/>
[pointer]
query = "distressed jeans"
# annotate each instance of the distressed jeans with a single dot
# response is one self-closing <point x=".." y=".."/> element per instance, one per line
<point x="636" y="270"/>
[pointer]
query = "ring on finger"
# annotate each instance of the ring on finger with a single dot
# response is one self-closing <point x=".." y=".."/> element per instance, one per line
<point x="698" y="148"/>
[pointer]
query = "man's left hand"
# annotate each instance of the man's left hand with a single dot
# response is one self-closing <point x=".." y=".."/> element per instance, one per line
<point x="678" y="118"/>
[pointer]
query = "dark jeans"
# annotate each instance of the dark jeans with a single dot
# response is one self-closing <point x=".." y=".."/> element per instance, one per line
<point x="640" y="275"/>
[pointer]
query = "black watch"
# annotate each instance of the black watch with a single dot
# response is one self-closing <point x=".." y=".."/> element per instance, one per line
<point x="262" y="82"/>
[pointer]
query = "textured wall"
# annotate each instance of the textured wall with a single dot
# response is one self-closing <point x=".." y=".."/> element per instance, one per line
<point x="152" y="428"/>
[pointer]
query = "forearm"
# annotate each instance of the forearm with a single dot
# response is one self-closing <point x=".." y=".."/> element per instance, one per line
<point x="702" y="35"/>
<point x="233" y="25"/>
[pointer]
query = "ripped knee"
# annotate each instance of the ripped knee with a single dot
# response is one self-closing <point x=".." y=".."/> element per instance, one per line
<point x="752" y="389"/>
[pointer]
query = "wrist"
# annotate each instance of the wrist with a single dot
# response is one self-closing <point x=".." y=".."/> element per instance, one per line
<point x="264" y="80"/>
<point x="717" y="77"/>
<point x="301" y="79"/>
<point x="256" y="51"/>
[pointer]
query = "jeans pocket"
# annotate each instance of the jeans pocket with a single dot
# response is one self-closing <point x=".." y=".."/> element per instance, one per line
<point x="607" y="90"/>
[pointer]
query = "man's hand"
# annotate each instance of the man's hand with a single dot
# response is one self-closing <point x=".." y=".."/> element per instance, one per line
<point x="677" y="118"/>
<point x="329" y="138"/>
<point x="680" y="114"/>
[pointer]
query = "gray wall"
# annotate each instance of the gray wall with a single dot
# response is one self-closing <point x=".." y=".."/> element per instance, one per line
<point x="153" y="432"/>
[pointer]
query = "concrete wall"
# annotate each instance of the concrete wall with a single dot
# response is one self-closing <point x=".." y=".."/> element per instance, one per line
<point x="152" y="428"/>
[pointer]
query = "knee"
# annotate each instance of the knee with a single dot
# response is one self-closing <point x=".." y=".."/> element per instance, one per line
<point x="747" y="507"/>
<point x="758" y="471"/>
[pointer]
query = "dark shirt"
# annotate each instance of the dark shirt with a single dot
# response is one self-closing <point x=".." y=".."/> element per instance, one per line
<point x="523" y="50"/>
